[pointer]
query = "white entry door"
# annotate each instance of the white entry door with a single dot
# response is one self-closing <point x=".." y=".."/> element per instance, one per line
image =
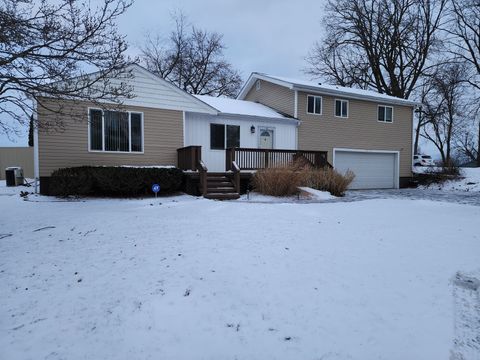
<point x="266" y="139"/>
<point x="373" y="170"/>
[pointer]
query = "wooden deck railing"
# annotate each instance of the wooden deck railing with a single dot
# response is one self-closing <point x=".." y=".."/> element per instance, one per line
<point x="189" y="157"/>
<point x="254" y="159"/>
<point x="202" y="170"/>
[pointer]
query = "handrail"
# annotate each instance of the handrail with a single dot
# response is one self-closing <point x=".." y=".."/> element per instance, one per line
<point x="202" y="171"/>
<point x="236" y="176"/>
<point x="255" y="158"/>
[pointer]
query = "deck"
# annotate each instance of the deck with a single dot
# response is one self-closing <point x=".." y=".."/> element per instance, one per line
<point x="240" y="165"/>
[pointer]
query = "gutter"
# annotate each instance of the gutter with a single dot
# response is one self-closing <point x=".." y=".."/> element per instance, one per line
<point x="343" y="94"/>
<point x="36" y="170"/>
<point x="261" y="118"/>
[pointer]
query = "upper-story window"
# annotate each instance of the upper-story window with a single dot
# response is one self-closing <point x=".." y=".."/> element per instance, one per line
<point x="341" y="108"/>
<point x="115" y="131"/>
<point x="257" y="85"/>
<point x="314" y="105"/>
<point x="385" y="113"/>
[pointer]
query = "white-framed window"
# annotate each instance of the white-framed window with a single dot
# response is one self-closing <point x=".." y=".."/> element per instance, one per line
<point x="385" y="113"/>
<point x="224" y="136"/>
<point x="314" y="104"/>
<point x="258" y="85"/>
<point x="341" y="108"/>
<point x="115" y="131"/>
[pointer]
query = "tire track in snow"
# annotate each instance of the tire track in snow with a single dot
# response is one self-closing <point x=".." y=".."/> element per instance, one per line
<point x="466" y="295"/>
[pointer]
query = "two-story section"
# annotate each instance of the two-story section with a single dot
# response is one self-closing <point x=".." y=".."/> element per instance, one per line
<point x="363" y="131"/>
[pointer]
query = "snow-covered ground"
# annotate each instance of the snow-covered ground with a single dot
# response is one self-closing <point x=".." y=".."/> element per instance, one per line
<point x="189" y="278"/>
<point x="469" y="180"/>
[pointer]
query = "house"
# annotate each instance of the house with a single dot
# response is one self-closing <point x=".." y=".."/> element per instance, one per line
<point x="273" y="121"/>
<point x="364" y="131"/>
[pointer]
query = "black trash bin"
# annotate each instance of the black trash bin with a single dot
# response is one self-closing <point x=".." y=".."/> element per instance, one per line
<point x="10" y="176"/>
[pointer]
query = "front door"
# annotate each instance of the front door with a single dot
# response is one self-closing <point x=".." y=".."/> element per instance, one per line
<point x="266" y="139"/>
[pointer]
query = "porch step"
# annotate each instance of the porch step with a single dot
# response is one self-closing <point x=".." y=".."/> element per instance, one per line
<point x="220" y="187"/>
<point x="222" y="196"/>
<point x="216" y="179"/>
<point x="226" y="189"/>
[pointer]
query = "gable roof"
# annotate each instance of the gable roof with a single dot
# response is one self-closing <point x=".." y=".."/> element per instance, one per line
<point x="325" y="89"/>
<point x="151" y="90"/>
<point x="241" y="107"/>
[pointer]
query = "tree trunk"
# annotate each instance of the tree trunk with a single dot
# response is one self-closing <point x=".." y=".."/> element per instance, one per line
<point x="478" y="146"/>
<point x="417" y="134"/>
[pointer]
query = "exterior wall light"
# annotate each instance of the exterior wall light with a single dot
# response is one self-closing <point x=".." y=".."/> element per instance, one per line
<point x="252" y="129"/>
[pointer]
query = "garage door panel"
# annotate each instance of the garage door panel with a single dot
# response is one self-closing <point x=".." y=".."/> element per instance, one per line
<point x="372" y="170"/>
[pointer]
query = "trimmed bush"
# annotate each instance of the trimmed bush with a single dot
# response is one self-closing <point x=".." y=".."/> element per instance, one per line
<point x="113" y="181"/>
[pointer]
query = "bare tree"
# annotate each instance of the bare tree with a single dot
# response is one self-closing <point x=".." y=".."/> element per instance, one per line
<point x="445" y="110"/>
<point x="193" y="60"/>
<point x="385" y="45"/>
<point x="464" y="31"/>
<point x="47" y="48"/>
<point x="466" y="145"/>
<point x="425" y="91"/>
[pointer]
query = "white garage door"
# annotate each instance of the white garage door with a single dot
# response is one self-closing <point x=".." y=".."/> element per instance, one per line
<point x="373" y="170"/>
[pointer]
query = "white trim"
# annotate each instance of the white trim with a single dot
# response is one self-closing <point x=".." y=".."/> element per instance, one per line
<point x="322" y="91"/>
<point x="321" y="104"/>
<point x="36" y="168"/>
<point x="184" y="130"/>
<point x="335" y="108"/>
<point x="142" y="124"/>
<point x="251" y="81"/>
<point x="385" y="106"/>
<point x="397" y="160"/>
<point x="295" y="104"/>
<point x="413" y="141"/>
<point x="252" y="118"/>
<point x="296" y="138"/>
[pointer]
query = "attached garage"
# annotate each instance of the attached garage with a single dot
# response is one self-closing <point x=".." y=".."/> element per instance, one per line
<point x="374" y="169"/>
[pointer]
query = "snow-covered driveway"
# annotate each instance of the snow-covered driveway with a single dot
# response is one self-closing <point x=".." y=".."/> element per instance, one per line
<point x="197" y="279"/>
<point x="451" y="196"/>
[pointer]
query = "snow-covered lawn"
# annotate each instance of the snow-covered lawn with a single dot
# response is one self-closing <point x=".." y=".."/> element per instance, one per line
<point x="189" y="278"/>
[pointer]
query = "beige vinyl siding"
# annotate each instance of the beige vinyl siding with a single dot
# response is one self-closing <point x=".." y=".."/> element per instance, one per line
<point x="16" y="156"/>
<point x="360" y="130"/>
<point x="163" y="134"/>
<point x="272" y="95"/>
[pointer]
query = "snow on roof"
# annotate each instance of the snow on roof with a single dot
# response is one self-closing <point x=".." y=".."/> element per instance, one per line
<point x="340" y="90"/>
<point x="240" y="107"/>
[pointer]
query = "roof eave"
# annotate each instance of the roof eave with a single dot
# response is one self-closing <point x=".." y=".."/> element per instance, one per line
<point x="343" y="94"/>
<point x="255" y="76"/>
<point x="264" y="118"/>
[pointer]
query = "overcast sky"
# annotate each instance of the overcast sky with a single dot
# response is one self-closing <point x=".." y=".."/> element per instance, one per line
<point x="271" y="36"/>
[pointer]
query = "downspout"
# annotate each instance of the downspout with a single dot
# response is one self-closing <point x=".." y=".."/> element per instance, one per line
<point x="295" y="115"/>
<point x="36" y="170"/>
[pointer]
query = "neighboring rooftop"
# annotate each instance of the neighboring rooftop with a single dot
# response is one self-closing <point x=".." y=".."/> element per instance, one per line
<point x="327" y="89"/>
<point x="240" y="107"/>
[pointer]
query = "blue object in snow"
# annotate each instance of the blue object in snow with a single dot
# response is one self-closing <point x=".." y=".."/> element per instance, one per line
<point x="155" y="188"/>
